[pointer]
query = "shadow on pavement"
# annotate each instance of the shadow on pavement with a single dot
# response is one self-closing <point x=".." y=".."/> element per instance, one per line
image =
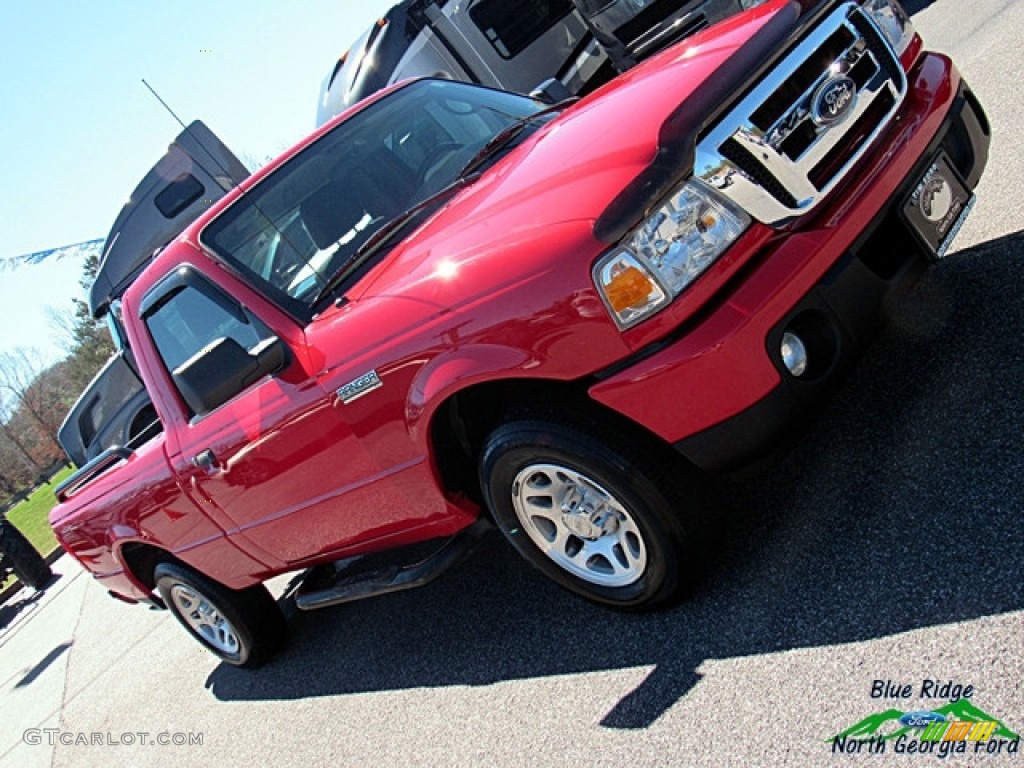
<point x="900" y="510"/>
<point x="41" y="666"/>
<point x="24" y="600"/>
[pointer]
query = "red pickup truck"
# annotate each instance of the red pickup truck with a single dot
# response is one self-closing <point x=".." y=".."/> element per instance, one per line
<point x="452" y="307"/>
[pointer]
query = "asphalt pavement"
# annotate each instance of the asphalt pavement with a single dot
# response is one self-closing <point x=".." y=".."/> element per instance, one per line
<point x="886" y="553"/>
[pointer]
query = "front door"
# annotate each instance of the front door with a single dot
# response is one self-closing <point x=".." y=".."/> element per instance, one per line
<point x="276" y="463"/>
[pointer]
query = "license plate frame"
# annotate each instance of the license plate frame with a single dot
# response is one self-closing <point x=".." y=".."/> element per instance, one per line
<point x="938" y="205"/>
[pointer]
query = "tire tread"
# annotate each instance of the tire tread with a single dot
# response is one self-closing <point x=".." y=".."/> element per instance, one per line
<point x="252" y="611"/>
<point x="648" y="470"/>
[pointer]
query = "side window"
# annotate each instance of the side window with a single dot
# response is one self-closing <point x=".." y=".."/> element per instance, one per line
<point x="190" y="321"/>
<point x="212" y="347"/>
<point x="511" y="27"/>
<point x="179" y="195"/>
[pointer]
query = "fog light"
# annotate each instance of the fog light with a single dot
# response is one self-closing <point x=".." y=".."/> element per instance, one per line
<point x="794" y="353"/>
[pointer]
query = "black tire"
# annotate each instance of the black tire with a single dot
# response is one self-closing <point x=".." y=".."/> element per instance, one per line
<point x="242" y="627"/>
<point x="630" y="540"/>
<point x="22" y="558"/>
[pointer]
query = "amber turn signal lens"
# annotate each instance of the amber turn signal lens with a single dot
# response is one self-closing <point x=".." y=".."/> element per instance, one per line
<point x="628" y="288"/>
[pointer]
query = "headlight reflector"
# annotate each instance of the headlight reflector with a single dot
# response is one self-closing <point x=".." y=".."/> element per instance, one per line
<point x="893" y="22"/>
<point x="667" y="252"/>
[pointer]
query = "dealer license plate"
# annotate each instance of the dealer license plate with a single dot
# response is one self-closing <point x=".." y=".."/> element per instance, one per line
<point x="938" y="206"/>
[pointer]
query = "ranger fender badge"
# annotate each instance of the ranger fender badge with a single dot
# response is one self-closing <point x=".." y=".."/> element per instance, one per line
<point x="359" y="387"/>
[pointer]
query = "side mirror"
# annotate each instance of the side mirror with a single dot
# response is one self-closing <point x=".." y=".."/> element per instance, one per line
<point x="271" y="356"/>
<point x="221" y="370"/>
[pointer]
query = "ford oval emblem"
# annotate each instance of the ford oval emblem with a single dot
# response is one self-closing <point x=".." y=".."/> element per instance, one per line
<point x="834" y="100"/>
<point x="921" y="719"/>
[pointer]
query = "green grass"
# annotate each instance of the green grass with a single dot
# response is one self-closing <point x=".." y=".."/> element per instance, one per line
<point x="29" y="516"/>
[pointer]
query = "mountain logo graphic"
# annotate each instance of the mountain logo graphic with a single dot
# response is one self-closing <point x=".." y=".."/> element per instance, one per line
<point x="893" y="723"/>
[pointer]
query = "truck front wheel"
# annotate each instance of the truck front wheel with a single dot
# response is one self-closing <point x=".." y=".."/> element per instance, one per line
<point x="242" y="627"/>
<point x="599" y="514"/>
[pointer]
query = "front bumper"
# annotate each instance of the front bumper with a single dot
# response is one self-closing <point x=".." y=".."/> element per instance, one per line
<point x="720" y="392"/>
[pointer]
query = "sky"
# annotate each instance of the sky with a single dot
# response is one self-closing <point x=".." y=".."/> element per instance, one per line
<point x="79" y="129"/>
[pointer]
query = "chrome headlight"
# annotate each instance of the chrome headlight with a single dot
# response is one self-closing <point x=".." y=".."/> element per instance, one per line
<point x="892" y="21"/>
<point x="745" y="4"/>
<point x="667" y="252"/>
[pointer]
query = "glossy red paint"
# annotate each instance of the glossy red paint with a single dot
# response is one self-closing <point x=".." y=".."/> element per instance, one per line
<point x="142" y="503"/>
<point x="495" y="287"/>
<point x="294" y="482"/>
<point x="723" y="361"/>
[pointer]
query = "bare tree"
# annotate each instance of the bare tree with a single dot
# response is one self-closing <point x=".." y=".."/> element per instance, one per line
<point x="14" y="449"/>
<point x="35" y="398"/>
<point x="90" y="343"/>
<point x="63" y="322"/>
<point x="22" y="378"/>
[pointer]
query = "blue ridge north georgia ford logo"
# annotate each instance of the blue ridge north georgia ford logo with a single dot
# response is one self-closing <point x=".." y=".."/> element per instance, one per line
<point x="834" y="100"/>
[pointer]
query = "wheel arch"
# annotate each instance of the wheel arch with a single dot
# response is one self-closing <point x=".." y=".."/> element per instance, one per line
<point x="140" y="559"/>
<point x="462" y="421"/>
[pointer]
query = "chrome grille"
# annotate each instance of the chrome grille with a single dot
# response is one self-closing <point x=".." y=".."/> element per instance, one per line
<point x="776" y="153"/>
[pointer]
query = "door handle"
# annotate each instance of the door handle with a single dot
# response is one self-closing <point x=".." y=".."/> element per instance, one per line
<point x="205" y="460"/>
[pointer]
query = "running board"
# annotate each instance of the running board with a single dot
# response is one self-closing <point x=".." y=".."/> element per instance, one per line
<point x="349" y="587"/>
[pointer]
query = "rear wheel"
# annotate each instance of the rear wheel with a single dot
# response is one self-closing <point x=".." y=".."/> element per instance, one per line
<point x="601" y="515"/>
<point x="22" y="558"/>
<point x="243" y="627"/>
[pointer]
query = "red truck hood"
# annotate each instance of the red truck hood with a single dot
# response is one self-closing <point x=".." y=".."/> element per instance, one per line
<point x="575" y="166"/>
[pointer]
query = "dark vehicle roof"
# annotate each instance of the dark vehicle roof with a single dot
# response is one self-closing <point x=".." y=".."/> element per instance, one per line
<point x="197" y="170"/>
<point x="368" y="64"/>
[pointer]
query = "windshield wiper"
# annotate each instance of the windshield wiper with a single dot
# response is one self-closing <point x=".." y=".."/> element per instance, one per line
<point x="386" y="233"/>
<point x="506" y="135"/>
<point x="469" y="173"/>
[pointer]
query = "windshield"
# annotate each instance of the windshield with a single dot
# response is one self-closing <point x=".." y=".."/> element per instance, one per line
<point x="299" y="225"/>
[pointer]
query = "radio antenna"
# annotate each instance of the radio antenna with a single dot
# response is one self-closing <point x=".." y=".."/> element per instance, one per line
<point x="225" y="173"/>
<point x="216" y="161"/>
<point x="157" y="96"/>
